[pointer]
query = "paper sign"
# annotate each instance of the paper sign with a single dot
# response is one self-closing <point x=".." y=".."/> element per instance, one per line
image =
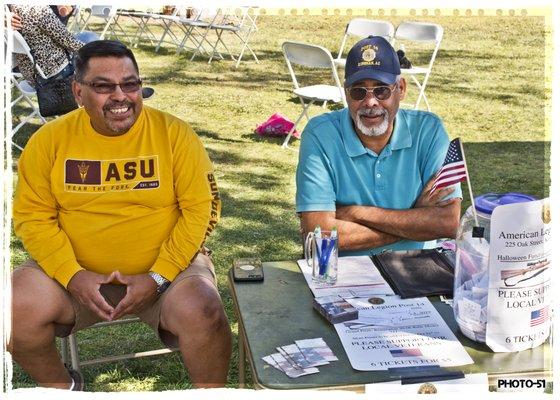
<point x="519" y="294"/>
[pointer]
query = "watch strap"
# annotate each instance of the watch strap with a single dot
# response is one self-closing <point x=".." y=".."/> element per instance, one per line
<point x="161" y="282"/>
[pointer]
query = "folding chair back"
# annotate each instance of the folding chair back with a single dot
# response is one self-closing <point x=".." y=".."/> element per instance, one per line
<point x="362" y="28"/>
<point x="308" y="55"/>
<point x="103" y="11"/>
<point x="21" y="47"/>
<point x="428" y="36"/>
<point x="419" y="31"/>
<point x="18" y="45"/>
<point x="311" y="56"/>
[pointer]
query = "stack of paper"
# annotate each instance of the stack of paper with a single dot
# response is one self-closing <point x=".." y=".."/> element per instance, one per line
<point x="356" y="275"/>
<point x="301" y="358"/>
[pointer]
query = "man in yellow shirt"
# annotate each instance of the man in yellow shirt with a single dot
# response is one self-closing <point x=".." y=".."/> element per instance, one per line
<point x="114" y="202"/>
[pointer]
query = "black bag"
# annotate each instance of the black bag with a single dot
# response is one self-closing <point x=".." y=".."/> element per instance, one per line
<point x="55" y="95"/>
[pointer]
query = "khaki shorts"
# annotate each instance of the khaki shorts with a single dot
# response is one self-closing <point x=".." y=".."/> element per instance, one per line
<point x="201" y="266"/>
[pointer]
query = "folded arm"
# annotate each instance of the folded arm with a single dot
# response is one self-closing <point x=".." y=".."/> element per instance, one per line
<point x="419" y="224"/>
<point x="432" y="217"/>
<point x="352" y="236"/>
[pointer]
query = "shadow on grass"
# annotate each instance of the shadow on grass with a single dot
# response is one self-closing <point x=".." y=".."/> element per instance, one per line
<point x="213" y="135"/>
<point x="508" y="167"/>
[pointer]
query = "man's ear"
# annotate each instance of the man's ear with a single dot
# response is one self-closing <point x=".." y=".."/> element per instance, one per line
<point x="402" y="88"/>
<point x="77" y="90"/>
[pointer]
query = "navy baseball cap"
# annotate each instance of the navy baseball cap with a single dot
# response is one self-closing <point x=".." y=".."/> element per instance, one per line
<point x="372" y="58"/>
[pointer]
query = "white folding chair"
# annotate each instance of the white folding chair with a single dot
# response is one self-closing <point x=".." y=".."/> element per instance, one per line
<point x="26" y="92"/>
<point x="197" y="30"/>
<point x="18" y="45"/>
<point x="142" y="20"/>
<point x="109" y="14"/>
<point x="194" y="30"/>
<point x="311" y="56"/>
<point x="362" y="28"/>
<point x="169" y="21"/>
<point x="430" y="35"/>
<point x="241" y="24"/>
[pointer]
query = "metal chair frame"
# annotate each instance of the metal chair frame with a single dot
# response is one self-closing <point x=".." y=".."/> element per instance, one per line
<point x="70" y="354"/>
<point x="241" y="24"/>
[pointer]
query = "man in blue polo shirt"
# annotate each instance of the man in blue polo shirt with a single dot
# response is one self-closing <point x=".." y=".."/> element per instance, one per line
<point x="368" y="169"/>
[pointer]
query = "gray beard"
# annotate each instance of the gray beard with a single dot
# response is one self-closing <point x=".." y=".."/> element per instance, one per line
<point x="377" y="130"/>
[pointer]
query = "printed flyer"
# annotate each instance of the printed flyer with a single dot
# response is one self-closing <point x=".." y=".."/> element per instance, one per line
<point x="391" y="332"/>
<point x="519" y="292"/>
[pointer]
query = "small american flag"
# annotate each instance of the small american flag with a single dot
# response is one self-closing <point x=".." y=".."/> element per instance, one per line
<point x="453" y="169"/>
<point x="406" y="353"/>
<point x="539" y="316"/>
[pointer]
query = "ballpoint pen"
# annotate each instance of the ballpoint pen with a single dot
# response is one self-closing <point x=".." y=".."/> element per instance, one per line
<point x="326" y="255"/>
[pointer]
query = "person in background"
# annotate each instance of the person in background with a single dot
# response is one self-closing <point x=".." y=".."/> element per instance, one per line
<point x="63" y="13"/>
<point x="51" y="44"/>
<point x="368" y="169"/>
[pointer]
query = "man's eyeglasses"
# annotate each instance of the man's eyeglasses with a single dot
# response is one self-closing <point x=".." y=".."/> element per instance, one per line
<point x="379" y="92"/>
<point x="106" y="87"/>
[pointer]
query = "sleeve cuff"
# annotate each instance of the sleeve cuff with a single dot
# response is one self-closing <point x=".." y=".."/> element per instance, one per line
<point x="315" y="207"/>
<point x="166" y="269"/>
<point x="66" y="271"/>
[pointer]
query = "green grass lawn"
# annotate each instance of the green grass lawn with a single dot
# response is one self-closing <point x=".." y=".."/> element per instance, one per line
<point x="488" y="85"/>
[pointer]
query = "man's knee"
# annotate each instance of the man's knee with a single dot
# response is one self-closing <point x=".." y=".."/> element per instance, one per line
<point x="198" y="304"/>
<point x="37" y="299"/>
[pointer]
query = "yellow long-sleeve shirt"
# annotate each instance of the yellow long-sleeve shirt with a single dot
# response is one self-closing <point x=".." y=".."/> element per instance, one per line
<point x="142" y="201"/>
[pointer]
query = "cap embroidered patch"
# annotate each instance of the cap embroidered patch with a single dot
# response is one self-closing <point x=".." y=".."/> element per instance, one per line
<point x="368" y="55"/>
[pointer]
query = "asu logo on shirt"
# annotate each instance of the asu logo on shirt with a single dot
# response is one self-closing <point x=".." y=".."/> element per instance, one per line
<point x="90" y="176"/>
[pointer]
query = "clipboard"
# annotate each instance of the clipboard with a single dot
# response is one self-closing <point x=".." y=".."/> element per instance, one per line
<point x="417" y="273"/>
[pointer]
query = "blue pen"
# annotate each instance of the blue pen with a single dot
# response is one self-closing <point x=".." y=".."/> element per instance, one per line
<point x="331" y="242"/>
<point x="327" y="250"/>
<point x="324" y="252"/>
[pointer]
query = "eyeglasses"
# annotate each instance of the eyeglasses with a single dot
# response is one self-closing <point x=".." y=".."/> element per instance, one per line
<point x="106" y="87"/>
<point x="379" y="92"/>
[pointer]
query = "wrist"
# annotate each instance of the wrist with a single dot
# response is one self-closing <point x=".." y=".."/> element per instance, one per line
<point x="161" y="283"/>
<point x="366" y="216"/>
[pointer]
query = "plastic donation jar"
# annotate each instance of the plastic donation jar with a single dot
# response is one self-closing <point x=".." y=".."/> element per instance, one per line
<point x="470" y="291"/>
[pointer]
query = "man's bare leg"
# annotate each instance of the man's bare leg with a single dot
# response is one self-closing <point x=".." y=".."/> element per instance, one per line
<point x="193" y="312"/>
<point x="38" y="301"/>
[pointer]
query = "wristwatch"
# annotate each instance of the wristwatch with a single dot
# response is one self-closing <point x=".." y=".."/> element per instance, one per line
<point x="161" y="282"/>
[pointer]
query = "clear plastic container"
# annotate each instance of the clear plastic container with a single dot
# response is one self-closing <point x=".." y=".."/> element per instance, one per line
<point x="470" y="294"/>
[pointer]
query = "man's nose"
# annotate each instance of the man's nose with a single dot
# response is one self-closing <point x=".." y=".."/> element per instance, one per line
<point x="370" y="99"/>
<point x="118" y="93"/>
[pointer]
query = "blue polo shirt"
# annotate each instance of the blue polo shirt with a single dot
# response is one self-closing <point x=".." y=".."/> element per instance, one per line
<point x="335" y="169"/>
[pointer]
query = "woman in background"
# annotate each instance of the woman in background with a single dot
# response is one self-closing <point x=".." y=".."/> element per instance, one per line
<point x="50" y="42"/>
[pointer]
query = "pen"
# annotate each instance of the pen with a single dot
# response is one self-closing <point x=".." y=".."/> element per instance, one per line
<point x="323" y="256"/>
<point x="331" y="241"/>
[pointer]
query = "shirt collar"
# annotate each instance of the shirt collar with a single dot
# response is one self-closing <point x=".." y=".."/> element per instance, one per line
<point x="400" y="139"/>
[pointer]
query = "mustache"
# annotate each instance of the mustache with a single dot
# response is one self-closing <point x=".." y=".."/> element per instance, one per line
<point x="113" y="104"/>
<point x="372" y="112"/>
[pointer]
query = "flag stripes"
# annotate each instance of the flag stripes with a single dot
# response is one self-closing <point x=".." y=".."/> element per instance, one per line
<point x="453" y="169"/>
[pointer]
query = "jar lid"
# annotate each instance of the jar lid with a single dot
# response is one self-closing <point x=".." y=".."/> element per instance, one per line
<point x="487" y="202"/>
